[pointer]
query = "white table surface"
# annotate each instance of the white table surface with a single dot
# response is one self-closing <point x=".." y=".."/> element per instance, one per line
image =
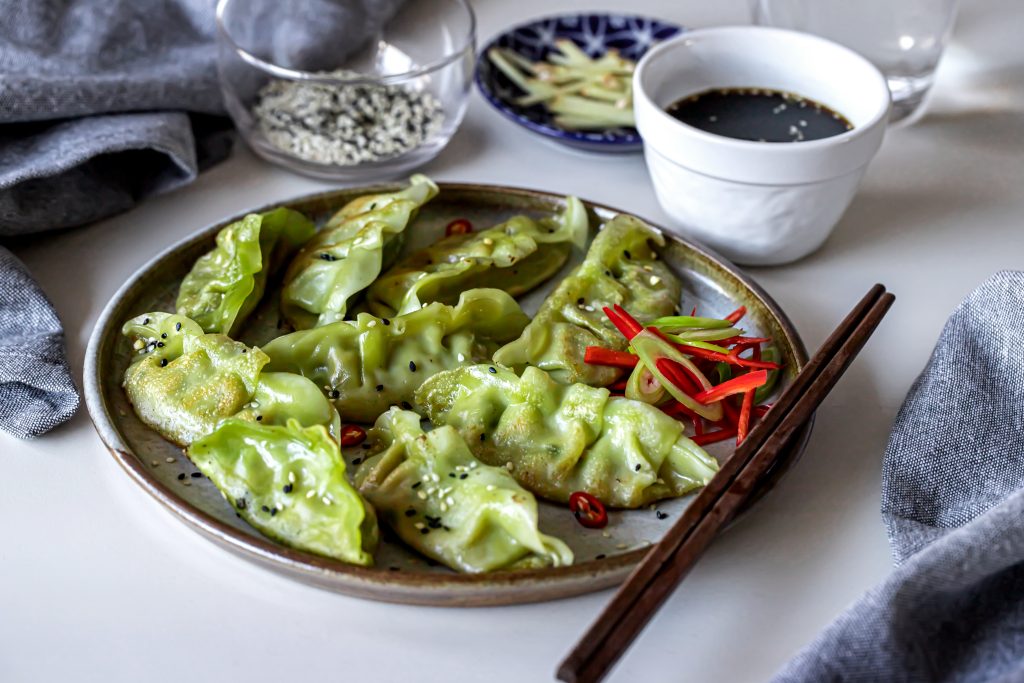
<point x="98" y="583"/>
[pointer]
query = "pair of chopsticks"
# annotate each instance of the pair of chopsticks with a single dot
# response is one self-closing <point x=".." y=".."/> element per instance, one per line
<point x="665" y="565"/>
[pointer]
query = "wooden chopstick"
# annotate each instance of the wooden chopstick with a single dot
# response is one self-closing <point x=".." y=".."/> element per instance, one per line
<point x="654" y="579"/>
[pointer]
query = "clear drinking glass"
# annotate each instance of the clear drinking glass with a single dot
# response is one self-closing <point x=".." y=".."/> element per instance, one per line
<point x="903" y="38"/>
<point x="346" y="90"/>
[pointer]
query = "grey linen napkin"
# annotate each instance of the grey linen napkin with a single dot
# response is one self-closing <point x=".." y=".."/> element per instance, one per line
<point x="101" y="105"/>
<point x="953" y="504"/>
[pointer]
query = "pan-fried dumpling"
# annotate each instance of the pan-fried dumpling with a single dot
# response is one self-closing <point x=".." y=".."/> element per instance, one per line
<point x="369" y="364"/>
<point x="621" y="267"/>
<point x="183" y="383"/>
<point x="345" y="257"/>
<point x="556" y="438"/>
<point x="515" y="256"/>
<point x="289" y="482"/>
<point x="225" y="284"/>
<point x="443" y="502"/>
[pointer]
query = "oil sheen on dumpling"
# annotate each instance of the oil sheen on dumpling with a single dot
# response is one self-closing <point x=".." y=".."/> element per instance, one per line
<point x="557" y="438"/>
<point x="183" y="383"/>
<point x="289" y="482"/>
<point x="225" y="284"/>
<point x="442" y="501"/>
<point x="515" y="256"/>
<point x="344" y="258"/>
<point x="370" y="364"/>
<point x="621" y="267"/>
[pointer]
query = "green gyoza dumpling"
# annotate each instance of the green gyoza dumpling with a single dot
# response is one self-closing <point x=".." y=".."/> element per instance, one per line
<point x="283" y="396"/>
<point x="440" y="500"/>
<point x="556" y="438"/>
<point x="621" y="267"/>
<point x="183" y="383"/>
<point x="289" y="482"/>
<point x="226" y="283"/>
<point x="345" y="257"/>
<point x="369" y="364"/>
<point x="515" y="256"/>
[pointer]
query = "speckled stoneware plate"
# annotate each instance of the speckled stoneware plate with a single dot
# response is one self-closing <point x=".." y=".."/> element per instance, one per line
<point x="603" y="557"/>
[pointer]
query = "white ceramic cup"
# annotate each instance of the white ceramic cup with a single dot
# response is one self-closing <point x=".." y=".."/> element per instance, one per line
<point x="758" y="203"/>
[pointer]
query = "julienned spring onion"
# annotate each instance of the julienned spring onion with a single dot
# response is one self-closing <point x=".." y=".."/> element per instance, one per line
<point x="666" y="359"/>
<point x="583" y="93"/>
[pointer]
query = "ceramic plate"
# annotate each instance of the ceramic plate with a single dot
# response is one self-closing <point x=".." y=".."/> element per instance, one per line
<point x="603" y="558"/>
<point x="595" y="34"/>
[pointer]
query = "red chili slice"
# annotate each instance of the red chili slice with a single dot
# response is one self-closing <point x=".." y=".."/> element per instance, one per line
<point x="459" y="226"/>
<point x="352" y="435"/>
<point x="595" y="355"/>
<point x="589" y="511"/>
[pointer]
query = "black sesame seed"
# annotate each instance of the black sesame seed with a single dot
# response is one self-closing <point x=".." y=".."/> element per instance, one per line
<point x="181" y="476"/>
<point x="356" y="461"/>
<point x="463" y="475"/>
<point x="483" y="437"/>
<point x="411" y="512"/>
<point x="412" y="367"/>
<point x="259" y="418"/>
<point x="240" y="503"/>
<point x="196" y="475"/>
<point x="160" y="345"/>
<point x="287" y="488"/>
<point x="417" y="484"/>
<point x="163" y="362"/>
<point x="146" y="321"/>
<point x="627" y="254"/>
<point x="492" y="370"/>
<point x="245" y="350"/>
<point x="334" y="393"/>
<point x="273" y="511"/>
<point x="385" y="321"/>
<point x="177" y="327"/>
<point x="424" y="531"/>
<point x="264" y="508"/>
<point x="580" y="301"/>
<point x="451" y="474"/>
<point x="600" y="557"/>
<point x="637" y="468"/>
<point x="661" y="515"/>
<point x="163" y="335"/>
<point x="380" y="387"/>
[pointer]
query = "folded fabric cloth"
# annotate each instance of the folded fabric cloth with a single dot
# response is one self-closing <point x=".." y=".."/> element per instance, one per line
<point x="101" y="105"/>
<point x="953" y="503"/>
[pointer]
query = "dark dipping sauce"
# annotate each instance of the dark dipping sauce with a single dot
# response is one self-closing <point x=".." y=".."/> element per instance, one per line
<point x="759" y="115"/>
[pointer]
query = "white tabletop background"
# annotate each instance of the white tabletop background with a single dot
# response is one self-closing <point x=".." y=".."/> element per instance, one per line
<point x="98" y="583"/>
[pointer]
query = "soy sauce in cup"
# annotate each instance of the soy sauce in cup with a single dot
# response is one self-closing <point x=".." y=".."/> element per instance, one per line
<point x="759" y="115"/>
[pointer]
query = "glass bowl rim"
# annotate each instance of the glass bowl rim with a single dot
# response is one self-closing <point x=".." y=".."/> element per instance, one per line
<point x="362" y="79"/>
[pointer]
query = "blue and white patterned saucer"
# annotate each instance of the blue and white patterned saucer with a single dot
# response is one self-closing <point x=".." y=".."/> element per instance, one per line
<point x="594" y="34"/>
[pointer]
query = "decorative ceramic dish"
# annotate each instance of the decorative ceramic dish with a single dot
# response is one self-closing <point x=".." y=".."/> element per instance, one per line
<point x="595" y="34"/>
<point x="603" y="557"/>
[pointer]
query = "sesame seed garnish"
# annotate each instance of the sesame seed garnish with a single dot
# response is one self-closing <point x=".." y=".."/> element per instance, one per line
<point x="411" y="512"/>
<point x="287" y="488"/>
<point x="181" y="476"/>
<point x="385" y="321"/>
<point x="412" y="366"/>
<point x="334" y="393"/>
<point x="155" y="463"/>
<point x="636" y="468"/>
<point x="627" y="254"/>
<point x="177" y="327"/>
<point x="421" y="495"/>
<point x="264" y="508"/>
<point x="490" y="487"/>
<point x="168" y="459"/>
<point x="163" y="335"/>
<point x="240" y="503"/>
<point x="461" y="358"/>
<point x="483" y="437"/>
<point x="492" y="370"/>
<point x="291" y="477"/>
<point x="273" y="511"/>
<point x="424" y="531"/>
<point x="196" y="475"/>
<point x="380" y="387"/>
<point x="488" y="241"/>
<point x="655" y="280"/>
<point x="163" y="362"/>
<point x="187" y="482"/>
<point x="372" y="323"/>
<point x="600" y="557"/>
<point x="146" y="321"/>
<point x="621" y="546"/>
<point x="326" y="500"/>
<point x="661" y="515"/>
<point x="463" y="475"/>
<point x="310" y="494"/>
<point x="259" y="418"/>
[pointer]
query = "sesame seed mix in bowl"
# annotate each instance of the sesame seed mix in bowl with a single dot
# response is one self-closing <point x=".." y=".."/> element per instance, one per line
<point x="346" y="124"/>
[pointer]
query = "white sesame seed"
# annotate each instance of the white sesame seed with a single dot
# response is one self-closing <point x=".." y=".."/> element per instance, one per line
<point x="490" y="487"/>
<point x="372" y="323"/>
<point x="187" y="482"/>
<point x="461" y="357"/>
<point x="488" y="241"/>
<point x="450" y="500"/>
<point x="421" y="495"/>
<point x="310" y="493"/>
<point x="291" y="477"/>
<point x="419" y="525"/>
<point x="168" y="459"/>
<point x="326" y="500"/>
<point x="655" y="280"/>
<point x="621" y="546"/>
<point x="155" y="463"/>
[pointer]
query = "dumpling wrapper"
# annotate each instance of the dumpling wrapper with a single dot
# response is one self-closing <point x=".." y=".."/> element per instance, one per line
<point x="515" y="256"/>
<point x="557" y="438"/>
<point x="621" y="267"/>
<point x="183" y="383"/>
<point x="226" y="284"/>
<point x="289" y="482"/>
<point x="344" y="258"/>
<point x="370" y="364"/>
<point x="439" y="499"/>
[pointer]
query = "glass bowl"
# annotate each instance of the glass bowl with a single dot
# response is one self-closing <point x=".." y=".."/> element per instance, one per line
<point x="342" y="89"/>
